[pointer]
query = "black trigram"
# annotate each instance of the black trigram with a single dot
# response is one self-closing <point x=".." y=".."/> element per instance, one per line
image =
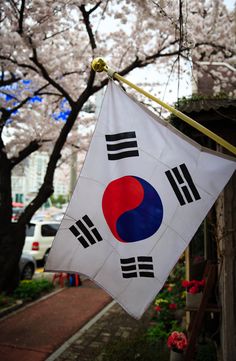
<point x="133" y="267"/>
<point x="122" y="145"/>
<point x="182" y="184"/>
<point x="85" y="231"/>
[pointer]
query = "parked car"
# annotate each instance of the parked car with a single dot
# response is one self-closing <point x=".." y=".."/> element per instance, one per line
<point x="27" y="266"/>
<point x="39" y="237"/>
<point x="58" y="216"/>
<point x="17" y="209"/>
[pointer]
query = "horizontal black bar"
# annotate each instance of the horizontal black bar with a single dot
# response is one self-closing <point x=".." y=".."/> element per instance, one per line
<point x="116" y="156"/>
<point x="145" y="266"/>
<point x="146" y="274"/>
<point x="119" y="136"/>
<point x="144" y="259"/>
<point x="123" y="145"/>
<point x="130" y="275"/>
<point x="131" y="267"/>
<point x="127" y="260"/>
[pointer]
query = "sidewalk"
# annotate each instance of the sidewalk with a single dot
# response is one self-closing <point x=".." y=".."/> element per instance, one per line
<point x="34" y="332"/>
<point x="73" y="324"/>
<point x="113" y="324"/>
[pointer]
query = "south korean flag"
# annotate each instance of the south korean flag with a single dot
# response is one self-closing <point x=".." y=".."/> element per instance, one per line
<point x="142" y="193"/>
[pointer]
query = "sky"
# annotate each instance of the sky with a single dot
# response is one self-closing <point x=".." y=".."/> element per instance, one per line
<point x="230" y="4"/>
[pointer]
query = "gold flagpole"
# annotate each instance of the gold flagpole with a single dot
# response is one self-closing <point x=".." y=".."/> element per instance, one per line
<point x="99" y="65"/>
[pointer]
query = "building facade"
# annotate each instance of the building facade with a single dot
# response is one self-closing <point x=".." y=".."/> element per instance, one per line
<point x="28" y="176"/>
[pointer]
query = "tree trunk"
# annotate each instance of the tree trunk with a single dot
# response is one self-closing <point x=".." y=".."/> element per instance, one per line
<point x="11" y="235"/>
<point x="11" y="243"/>
<point x="5" y="190"/>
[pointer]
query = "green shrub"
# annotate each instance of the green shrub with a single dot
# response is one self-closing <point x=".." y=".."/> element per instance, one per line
<point x="6" y="301"/>
<point x="32" y="289"/>
<point x="169" y="303"/>
<point x="157" y="332"/>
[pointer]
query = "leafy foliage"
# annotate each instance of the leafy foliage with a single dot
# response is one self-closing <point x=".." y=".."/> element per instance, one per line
<point x="168" y="303"/>
<point x="29" y="290"/>
<point x="59" y="200"/>
<point x="6" y="301"/>
<point x="157" y="332"/>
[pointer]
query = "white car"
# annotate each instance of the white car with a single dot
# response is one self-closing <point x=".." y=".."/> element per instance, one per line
<point x="39" y="237"/>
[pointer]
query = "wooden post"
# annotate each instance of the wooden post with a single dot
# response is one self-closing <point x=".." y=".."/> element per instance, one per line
<point x="196" y="322"/>
<point x="187" y="277"/>
<point x="226" y="234"/>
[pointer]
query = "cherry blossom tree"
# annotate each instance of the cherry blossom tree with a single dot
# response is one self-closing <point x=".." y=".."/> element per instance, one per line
<point x="47" y="49"/>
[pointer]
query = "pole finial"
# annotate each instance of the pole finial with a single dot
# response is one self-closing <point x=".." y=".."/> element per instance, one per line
<point x="99" y="65"/>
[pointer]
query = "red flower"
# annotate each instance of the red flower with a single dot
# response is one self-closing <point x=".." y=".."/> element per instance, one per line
<point x="158" y="308"/>
<point x="177" y="341"/>
<point x="202" y="283"/>
<point x="194" y="286"/>
<point x="185" y="284"/>
<point x="172" y="306"/>
<point x="193" y="289"/>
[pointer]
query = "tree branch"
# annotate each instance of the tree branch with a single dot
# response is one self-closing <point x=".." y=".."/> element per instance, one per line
<point x="55" y="34"/>
<point x="70" y="73"/>
<point x="46" y="76"/>
<point x="51" y="93"/>
<point x="88" y="25"/>
<point x="44" y="72"/>
<point x="94" y="8"/>
<point x="21" y="17"/>
<point x="24" y="153"/>
<point x="4" y="82"/>
<point x="228" y="53"/>
<point x="14" y="6"/>
<point x="24" y="101"/>
<point x="21" y="65"/>
<point x="4" y="117"/>
<point x="138" y="63"/>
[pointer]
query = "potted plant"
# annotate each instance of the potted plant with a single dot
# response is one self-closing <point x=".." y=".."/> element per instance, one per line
<point x="194" y="290"/>
<point x="177" y="343"/>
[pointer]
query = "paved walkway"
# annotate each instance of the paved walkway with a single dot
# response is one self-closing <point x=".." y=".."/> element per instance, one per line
<point x="73" y="324"/>
<point x="33" y="333"/>
<point x="88" y="344"/>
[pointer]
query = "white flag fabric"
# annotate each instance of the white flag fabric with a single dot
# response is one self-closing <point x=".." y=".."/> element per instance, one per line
<point x="142" y="193"/>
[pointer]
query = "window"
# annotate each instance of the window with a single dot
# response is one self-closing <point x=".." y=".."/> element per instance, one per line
<point x="49" y="230"/>
<point x="30" y="230"/>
